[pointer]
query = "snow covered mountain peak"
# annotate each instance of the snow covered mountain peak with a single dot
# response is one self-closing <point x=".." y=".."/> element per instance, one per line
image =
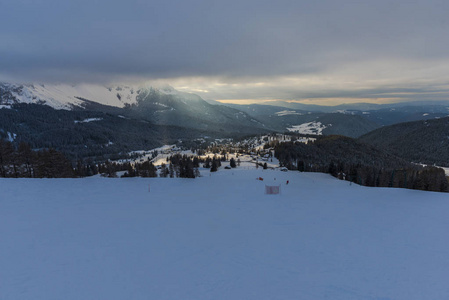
<point x="66" y="96"/>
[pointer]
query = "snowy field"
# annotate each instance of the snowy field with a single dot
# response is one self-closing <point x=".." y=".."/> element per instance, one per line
<point x="308" y="128"/>
<point x="221" y="237"/>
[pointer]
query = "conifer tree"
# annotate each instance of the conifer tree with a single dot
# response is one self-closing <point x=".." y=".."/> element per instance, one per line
<point x="164" y="171"/>
<point x="214" y="166"/>
<point x="171" y="171"/>
<point x="232" y="163"/>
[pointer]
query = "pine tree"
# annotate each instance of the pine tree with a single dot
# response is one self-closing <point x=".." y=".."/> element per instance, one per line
<point x="232" y="163"/>
<point x="171" y="171"/>
<point x="164" y="171"/>
<point x="207" y="163"/>
<point x="196" y="162"/>
<point x="214" y="166"/>
<point x="25" y="155"/>
<point x="332" y="169"/>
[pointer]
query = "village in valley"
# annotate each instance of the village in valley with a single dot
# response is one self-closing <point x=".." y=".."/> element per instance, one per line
<point x="210" y="156"/>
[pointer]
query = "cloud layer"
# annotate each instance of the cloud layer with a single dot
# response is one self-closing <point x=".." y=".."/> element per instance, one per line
<point x="291" y="50"/>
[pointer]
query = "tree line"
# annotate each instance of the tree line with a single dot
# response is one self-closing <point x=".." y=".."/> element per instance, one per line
<point x="22" y="161"/>
<point x="357" y="162"/>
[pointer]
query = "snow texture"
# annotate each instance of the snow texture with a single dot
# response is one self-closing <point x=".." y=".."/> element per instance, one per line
<point x="287" y="113"/>
<point x="220" y="237"/>
<point x="308" y="128"/>
<point x="65" y="96"/>
<point x="89" y="120"/>
<point x="11" y="137"/>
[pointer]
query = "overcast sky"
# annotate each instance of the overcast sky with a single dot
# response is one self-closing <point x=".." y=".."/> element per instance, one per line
<point x="312" y="51"/>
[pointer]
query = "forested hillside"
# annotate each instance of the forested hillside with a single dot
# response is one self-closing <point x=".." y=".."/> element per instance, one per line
<point x="23" y="162"/>
<point x="424" y="142"/>
<point x="84" y="133"/>
<point x="351" y="160"/>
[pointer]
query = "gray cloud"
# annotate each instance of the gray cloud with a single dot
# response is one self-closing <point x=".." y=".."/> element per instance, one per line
<point x="357" y="44"/>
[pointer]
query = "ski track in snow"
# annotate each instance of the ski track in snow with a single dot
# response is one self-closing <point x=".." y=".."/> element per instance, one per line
<point x="221" y="237"/>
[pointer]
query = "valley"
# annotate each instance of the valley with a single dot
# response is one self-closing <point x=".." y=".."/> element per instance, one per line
<point x="93" y="125"/>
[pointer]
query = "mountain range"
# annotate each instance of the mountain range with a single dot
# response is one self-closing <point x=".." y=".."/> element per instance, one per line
<point x="92" y="120"/>
<point x="160" y="106"/>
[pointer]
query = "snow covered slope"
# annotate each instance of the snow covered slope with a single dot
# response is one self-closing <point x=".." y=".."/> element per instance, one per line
<point x="221" y="237"/>
<point x="309" y="128"/>
<point x="65" y="96"/>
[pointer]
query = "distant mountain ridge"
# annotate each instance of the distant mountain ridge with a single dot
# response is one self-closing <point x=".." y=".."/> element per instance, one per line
<point x="99" y="121"/>
<point x="65" y="96"/>
<point x="377" y="114"/>
<point x="192" y="111"/>
<point x="282" y="118"/>
<point x="353" y="106"/>
<point x="150" y="112"/>
<point x="161" y="105"/>
<point x="164" y="105"/>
